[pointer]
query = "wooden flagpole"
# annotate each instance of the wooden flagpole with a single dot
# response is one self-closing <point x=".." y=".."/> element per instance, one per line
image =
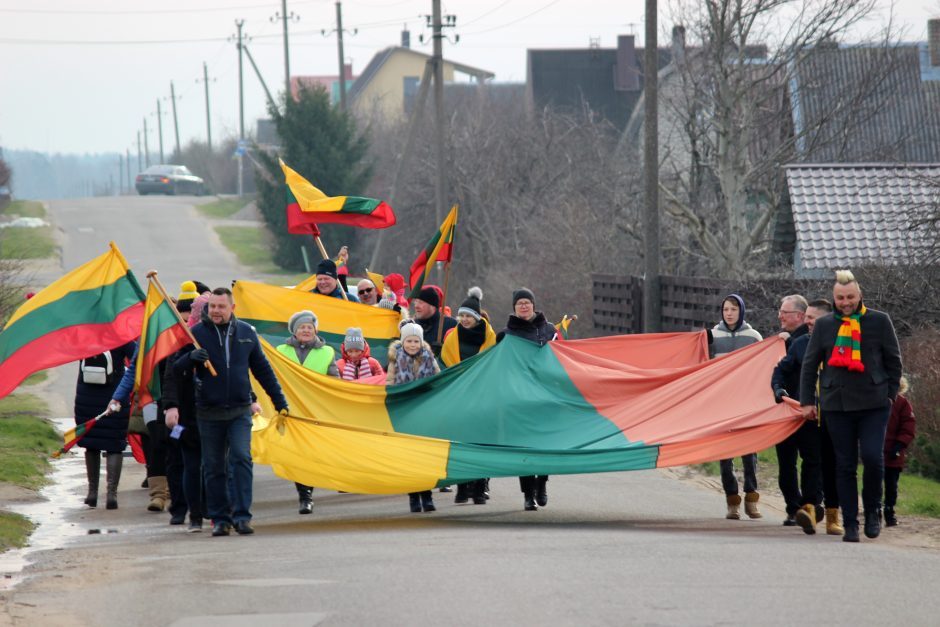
<point x="440" y="325"/>
<point x="152" y="276"/>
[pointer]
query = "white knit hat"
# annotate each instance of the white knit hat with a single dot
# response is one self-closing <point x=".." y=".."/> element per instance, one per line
<point x="412" y="328"/>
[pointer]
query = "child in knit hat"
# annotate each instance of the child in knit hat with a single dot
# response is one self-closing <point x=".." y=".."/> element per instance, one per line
<point x="356" y="362"/>
<point x="410" y="359"/>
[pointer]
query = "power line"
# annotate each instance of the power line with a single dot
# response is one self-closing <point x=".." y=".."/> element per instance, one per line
<point x="515" y="21"/>
<point x="98" y="12"/>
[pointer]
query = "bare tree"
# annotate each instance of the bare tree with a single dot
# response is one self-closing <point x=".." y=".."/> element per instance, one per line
<point x="728" y="104"/>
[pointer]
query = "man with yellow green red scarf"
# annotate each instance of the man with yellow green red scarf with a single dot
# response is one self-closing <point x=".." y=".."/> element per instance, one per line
<point x="859" y="379"/>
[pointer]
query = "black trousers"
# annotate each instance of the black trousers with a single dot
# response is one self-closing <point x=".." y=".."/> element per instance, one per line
<point x="892" y="475"/>
<point x="532" y="482"/>
<point x="830" y="489"/>
<point x="806" y="489"/>
<point x="858" y="434"/>
<point x="174" y="477"/>
<point x="730" y="483"/>
<point x="156" y="448"/>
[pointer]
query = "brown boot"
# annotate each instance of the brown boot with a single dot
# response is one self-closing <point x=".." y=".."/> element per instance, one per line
<point x="734" y="503"/>
<point x="158" y="494"/>
<point x="750" y="505"/>
<point x="806" y="518"/>
<point x="833" y="528"/>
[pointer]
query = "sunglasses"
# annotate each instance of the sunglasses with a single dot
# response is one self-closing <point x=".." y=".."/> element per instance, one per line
<point x="366" y="290"/>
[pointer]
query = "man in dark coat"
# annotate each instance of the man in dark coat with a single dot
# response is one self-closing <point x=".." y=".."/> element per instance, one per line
<point x="861" y="372"/>
<point x="224" y="406"/>
<point x="802" y="496"/>
<point x="328" y="281"/>
<point x="428" y="316"/>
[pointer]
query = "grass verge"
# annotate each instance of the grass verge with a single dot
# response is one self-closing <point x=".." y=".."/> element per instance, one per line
<point x="14" y="530"/>
<point x="253" y="246"/>
<point x="223" y="207"/>
<point x="25" y="209"/>
<point x="24" y="243"/>
<point x="26" y="440"/>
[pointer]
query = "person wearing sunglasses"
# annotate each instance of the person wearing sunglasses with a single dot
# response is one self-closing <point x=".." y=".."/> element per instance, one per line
<point x="367" y="293"/>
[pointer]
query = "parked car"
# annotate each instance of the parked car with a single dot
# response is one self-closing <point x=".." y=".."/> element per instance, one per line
<point x="169" y="179"/>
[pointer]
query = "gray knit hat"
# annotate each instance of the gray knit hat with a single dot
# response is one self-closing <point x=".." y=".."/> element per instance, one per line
<point x="354" y="339"/>
<point x="300" y="317"/>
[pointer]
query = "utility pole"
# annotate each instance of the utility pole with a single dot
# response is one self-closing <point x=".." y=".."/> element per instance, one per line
<point x="160" y="131"/>
<point x="121" y="174"/>
<point x="205" y="80"/>
<point x="146" y="145"/>
<point x="127" y="160"/>
<point x="176" y="126"/>
<point x="241" y="106"/>
<point x="438" y="59"/>
<point x="652" y="285"/>
<point x="285" y="17"/>
<point x="140" y="163"/>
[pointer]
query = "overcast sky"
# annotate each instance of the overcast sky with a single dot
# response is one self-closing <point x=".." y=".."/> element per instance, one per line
<point x="79" y="76"/>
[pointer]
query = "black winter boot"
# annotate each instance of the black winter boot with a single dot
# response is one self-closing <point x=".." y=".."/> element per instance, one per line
<point x="530" y="505"/>
<point x="478" y="490"/>
<point x="851" y="532"/>
<point x="305" y="497"/>
<point x="427" y="501"/>
<point x="93" y="470"/>
<point x="461" y="498"/>
<point x="114" y="464"/>
<point x="541" y="491"/>
<point x="891" y="520"/>
<point x="872" y="523"/>
<point x="414" y="500"/>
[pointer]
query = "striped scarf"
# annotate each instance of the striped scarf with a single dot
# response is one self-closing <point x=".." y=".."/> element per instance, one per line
<point x="351" y="371"/>
<point x="847" y="352"/>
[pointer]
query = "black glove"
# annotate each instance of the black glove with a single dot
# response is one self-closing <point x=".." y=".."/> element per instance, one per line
<point x="199" y="355"/>
<point x="779" y="393"/>
<point x="896" y="451"/>
<point x="284" y="411"/>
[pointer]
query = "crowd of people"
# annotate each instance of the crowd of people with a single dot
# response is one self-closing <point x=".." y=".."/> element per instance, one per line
<point x="842" y="367"/>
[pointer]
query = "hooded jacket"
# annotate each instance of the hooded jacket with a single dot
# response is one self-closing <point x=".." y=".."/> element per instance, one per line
<point x="353" y="375"/>
<point x="416" y="367"/>
<point x="727" y="339"/>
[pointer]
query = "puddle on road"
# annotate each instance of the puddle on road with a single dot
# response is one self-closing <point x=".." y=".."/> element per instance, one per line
<point x="53" y="530"/>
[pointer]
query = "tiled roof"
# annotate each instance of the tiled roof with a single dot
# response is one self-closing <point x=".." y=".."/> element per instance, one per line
<point x="848" y="214"/>
<point x="880" y="108"/>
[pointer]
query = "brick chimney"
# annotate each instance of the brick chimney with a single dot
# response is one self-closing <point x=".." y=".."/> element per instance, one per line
<point x="626" y="72"/>
<point x="933" y="41"/>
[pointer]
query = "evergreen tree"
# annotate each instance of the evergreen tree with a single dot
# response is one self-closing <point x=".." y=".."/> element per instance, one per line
<point x="323" y="145"/>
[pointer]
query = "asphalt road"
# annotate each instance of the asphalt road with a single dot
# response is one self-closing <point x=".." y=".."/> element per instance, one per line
<point x="620" y="549"/>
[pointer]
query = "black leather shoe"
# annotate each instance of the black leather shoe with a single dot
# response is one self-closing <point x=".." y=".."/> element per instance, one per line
<point x="244" y="528"/>
<point x="415" y="502"/>
<point x="820" y="513"/>
<point x="427" y="502"/>
<point x="789" y="521"/>
<point x="306" y="507"/>
<point x="177" y="519"/>
<point x="221" y="529"/>
<point x="851" y="534"/>
<point x="530" y="505"/>
<point x="541" y="497"/>
<point x="873" y="523"/>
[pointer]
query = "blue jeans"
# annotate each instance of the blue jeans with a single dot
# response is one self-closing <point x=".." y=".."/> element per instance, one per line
<point x="231" y="438"/>
<point x="858" y="434"/>
<point x="730" y="483"/>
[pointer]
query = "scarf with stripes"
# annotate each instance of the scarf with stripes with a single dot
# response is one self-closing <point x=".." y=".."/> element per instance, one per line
<point x="847" y="352"/>
<point x="352" y="371"/>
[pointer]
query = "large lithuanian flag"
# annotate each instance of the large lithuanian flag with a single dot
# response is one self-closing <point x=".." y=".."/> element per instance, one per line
<point x="439" y="248"/>
<point x="93" y="308"/>
<point x="161" y="336"/>
<point x="582" y="406"/>
<point x="307" y="206"/>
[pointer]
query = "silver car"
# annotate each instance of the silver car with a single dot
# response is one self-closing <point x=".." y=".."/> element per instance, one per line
<point x="169" y="179"/>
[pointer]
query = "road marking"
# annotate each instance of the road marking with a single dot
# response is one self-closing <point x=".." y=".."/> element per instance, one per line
<point x="300" y="619"/>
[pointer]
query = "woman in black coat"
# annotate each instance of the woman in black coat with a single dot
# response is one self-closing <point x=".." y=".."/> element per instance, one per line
<point x="98" y="377"/>
<point x="531" y="325"/>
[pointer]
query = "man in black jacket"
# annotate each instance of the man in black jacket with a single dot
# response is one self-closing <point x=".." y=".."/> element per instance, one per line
<point x="428" y="315"/>
<point x="224" y="406"/>
<point x="803" y="505"/>
<point x="861" y="371"/>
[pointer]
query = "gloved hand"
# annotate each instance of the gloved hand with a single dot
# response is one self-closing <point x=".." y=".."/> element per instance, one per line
<point x="896" y="451"/>
<point x="284" y="411"/>
<point x="199" y="355"/>
<point x="779" y="393"/>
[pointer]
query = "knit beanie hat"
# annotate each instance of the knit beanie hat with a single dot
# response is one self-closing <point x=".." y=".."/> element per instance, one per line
<point x="411" y="328"/>
<point x="388" y="300"/>
<point x="199" y="305"/>
<point x="188" y="293"/>
<point x="522" y="292"/>
<point x="354" y="339"/>
<point x="300" y="317"/>
<point x="471" y="306"/>
<point x="429" y="295"/>
<point x="201" y="287"/>
<point x="327" y="267"/>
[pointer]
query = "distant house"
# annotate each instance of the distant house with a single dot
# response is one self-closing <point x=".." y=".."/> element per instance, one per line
<point x="608" y="80"/>
<point x="391" y="81"/>
<point x="849" y="214"/>
<point x="329" y="82"/>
